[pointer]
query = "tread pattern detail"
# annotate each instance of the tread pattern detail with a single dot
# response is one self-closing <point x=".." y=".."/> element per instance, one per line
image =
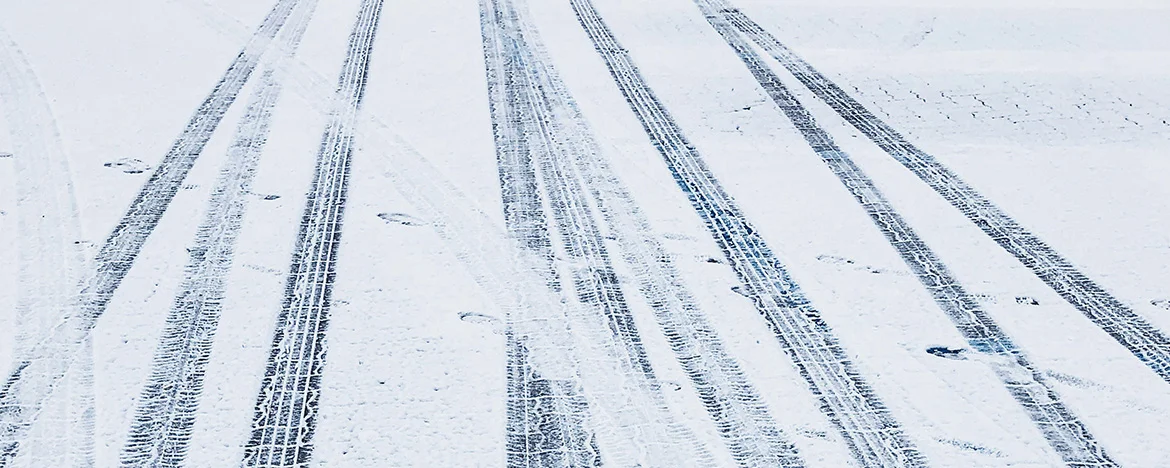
<point x="287" y="405"/>
<point x="165" y="411"/>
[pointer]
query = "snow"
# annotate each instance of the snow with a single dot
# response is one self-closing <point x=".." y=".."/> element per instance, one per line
<point x="1056" y="112"/>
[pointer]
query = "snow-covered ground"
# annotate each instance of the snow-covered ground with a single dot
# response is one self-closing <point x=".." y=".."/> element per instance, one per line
<point x="585" y="233"/>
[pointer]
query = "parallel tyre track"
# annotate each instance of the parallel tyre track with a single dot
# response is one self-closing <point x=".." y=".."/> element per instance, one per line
<point x="546" y="419"/>
<point x="1134" y="332"/>
<point x="1063" y="430"/>
<point x="847" y="400"/>
<point x="165" y="410"/>
<point x="555" y="137"/>
<point x="287" y="405"/>
<point x="53" y="353"/>
<point x="735" y="406"/>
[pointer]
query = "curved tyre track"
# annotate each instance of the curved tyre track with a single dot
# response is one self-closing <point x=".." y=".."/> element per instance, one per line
<point x="866" y="425"/>
<point x="165" y="412"/>
<point x="49" y="267"/>
<point x="1150" y="345"/>
<point x="286" y="408"/>
<point x="1063" y="430"/>
<point x="52" y="354"/>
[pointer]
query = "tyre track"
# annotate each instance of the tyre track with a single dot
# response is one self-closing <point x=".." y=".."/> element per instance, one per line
<point x="542" y="430"/>
<point x="574" y="158"/>
<point x="562" y="343"/>
<point x="528" y="147"/>
<point x="53" y="352"/>
<point x="165" y="411"/>
<point x="1063" y="430"/>
<point x="1150" y="345"/>
<point x="50" y="265"/>
<point x="847" y="400"/>
<point x="569" y="349"/>
<point x="286" y="408"/>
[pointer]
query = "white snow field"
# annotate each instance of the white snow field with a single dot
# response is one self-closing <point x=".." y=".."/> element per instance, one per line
<point x="584" y="233"/>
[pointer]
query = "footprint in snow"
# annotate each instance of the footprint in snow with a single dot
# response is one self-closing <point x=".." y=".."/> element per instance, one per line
<point x="1163" y="303"/>
<point x="847" y="263"/>
<point x="497" y="326"/>
<point x="5" y="155"/>
<point x="401" y="218"/>
<point x="739" y="290"/>
<point x="973" y="447"/>
<point x="948" y="352"/>
<point x="129" y="165"/>
<point x="1025" y="300"/>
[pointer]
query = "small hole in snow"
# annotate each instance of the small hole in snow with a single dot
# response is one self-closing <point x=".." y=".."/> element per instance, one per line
<point x="946" y="352"/>
<point x="1025" y="300"/>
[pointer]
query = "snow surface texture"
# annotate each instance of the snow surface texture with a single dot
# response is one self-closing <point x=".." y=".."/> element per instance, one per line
<point x="572" y="233"/>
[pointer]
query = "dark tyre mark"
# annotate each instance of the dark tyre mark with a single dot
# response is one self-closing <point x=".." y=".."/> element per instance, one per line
<point x="542" y="430"/>
<point x="1067" y="435"/>
<point x="25" y="397"/>
<point x="579" y="182"/>
<point x="165" y="412"/>
<point x="1142" y="339"/>
<point x="287" y="405"/>
<point x="546" y="417"/>
<point x="866" y="425"/>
